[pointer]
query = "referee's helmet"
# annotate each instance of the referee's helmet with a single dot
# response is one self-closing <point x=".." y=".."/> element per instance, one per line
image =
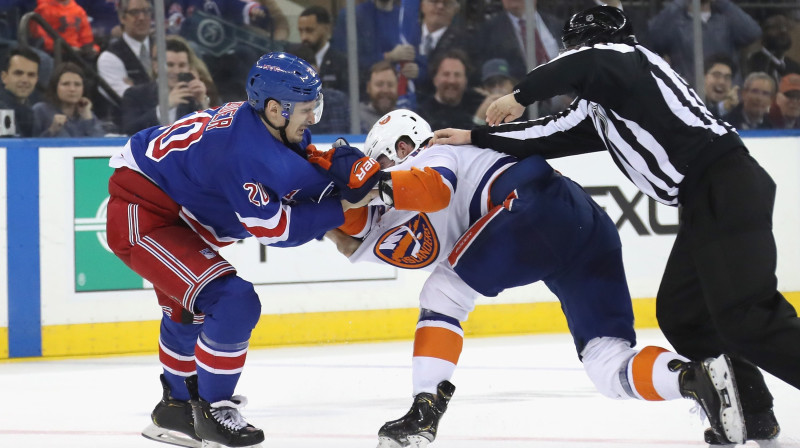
<point x="599" y="24"/>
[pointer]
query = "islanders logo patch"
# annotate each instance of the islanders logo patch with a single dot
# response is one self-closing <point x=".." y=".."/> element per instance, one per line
<point x="412" y="245"/>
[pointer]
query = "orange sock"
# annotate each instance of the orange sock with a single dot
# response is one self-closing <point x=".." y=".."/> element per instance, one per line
<point x="650" y="378"/>
<point x="437" y="347"/>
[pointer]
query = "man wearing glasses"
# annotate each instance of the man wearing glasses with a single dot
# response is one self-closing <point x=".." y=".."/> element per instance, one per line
<point x="126" y="62"/>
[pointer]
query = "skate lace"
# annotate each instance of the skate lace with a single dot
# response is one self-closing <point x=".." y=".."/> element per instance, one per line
<point x="226" y="412"/>
<point x="698" y="409"/>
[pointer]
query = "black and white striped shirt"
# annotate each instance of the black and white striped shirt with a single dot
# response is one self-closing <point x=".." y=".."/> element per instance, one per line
<point x="629" y="102"/>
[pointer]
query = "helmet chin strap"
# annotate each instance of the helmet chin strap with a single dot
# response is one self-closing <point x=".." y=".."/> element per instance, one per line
<point x="281" y="129"/>
<point x="282" y="132"/>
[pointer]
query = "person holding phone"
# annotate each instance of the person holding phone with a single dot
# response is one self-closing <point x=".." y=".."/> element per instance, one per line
<point x="187" y="93"/>
<point x="66" y="112"/>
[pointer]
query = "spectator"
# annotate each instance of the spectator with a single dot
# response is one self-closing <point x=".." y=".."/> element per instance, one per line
<point x="378" y="25"/>
<point x="726" y="30"/>
<point x="757" y="95"/>
<point x="785" y="113"/>
<point x="140" y="103"/>
<point x="452" y="105"/>
<point x="336" y="116"/>
<point x="776" y="41"/>
<point x="280" y="25"/>
<point x="199" y="68"/>
<point x="126" y="62"/>
<point x="437" y="32"/>
<point x="496" y="81"/>
<point x="314" y="25"/>
<point x="721" y="95"/>
<point x="71" y="22"/>
<point x="66" y="112"/>
<point x="19" y="78"/>
<point x="503" y="36"/>
<point x="382" y="94"/>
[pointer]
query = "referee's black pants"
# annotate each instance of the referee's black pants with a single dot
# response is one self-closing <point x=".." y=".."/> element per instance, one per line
<point x="719" y="290"/>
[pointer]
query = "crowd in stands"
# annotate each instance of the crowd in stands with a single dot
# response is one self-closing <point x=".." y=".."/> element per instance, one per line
<point x="446" y="59"/>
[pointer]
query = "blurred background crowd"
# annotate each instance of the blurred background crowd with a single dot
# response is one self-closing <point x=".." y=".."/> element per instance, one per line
<point x="78" y="68"/>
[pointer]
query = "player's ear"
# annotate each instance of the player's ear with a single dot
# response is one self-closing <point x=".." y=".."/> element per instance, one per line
<point x="272" y="109"/>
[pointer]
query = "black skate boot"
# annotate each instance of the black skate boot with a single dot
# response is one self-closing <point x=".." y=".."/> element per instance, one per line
<point x="759" y="425"/>
<point x="417" y="428"/>
<point x="172" y="421"/>
<point x="711" y="384"/>
<point x="221" y="422"/>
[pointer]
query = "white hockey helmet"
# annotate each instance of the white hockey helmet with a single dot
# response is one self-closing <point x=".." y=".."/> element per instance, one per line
<point x="384" y="134"/>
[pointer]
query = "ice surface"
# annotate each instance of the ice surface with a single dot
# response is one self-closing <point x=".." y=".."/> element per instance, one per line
<point x="512" y="392"/>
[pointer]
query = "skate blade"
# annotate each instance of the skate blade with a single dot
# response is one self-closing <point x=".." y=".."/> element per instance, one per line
<point x="413" y="442"/>
<point x="176" y="438"/>
<point x="210" y="444"/>
<point x="731" y="415"/>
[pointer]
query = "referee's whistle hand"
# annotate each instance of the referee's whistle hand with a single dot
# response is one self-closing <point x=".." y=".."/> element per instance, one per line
<point x="503" y="110"/>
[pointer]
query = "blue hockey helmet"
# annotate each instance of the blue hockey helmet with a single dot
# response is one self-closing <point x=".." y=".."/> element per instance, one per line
<point x="598" y="24"/>
<point x="284" y="78"/>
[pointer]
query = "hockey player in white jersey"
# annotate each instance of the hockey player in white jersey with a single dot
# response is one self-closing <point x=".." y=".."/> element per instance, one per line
<point x="482" y="222"/>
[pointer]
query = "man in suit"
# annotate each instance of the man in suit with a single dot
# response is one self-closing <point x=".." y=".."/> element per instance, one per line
<point x="140" y="103"/>
<point x="503" y="36"/>
<point x="126" y="61"/>
<point x="314" y="25"/>
<point x="436" y="33"/>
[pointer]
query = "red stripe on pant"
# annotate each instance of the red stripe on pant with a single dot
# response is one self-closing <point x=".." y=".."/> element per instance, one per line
<point x="466" y="239"/>
<point x="179" y="367"/>
<point x="217" y="362"/>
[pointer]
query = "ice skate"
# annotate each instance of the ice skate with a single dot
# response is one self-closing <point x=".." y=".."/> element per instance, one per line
<point x="712" y="385"/>
<point x="760" y="426"/>
<point x="220" y="424"/>
<point x="418" y="427"/>
<point x="172" y="421"/>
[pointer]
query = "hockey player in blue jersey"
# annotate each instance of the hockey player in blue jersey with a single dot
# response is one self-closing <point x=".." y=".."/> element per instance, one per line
<point x="216" y="176"/>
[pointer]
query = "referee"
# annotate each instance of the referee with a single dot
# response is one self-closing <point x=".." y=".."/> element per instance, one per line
<point x="719" y="289"/>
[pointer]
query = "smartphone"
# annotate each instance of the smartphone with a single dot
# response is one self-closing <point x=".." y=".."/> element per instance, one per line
<point x="185" y="77"/>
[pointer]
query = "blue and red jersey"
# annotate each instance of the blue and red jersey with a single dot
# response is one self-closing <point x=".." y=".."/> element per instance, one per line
<point x="233" y="179"/>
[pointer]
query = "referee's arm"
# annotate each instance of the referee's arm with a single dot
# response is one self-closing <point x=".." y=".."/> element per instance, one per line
<point x="566" y="133"/>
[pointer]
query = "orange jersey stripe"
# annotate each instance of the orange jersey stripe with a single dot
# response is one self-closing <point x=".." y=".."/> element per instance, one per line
<point x="355" y="219"/>
<point x="643" y="372"/>
<point x="437" y="342"/>
<point x="420" y="190"/>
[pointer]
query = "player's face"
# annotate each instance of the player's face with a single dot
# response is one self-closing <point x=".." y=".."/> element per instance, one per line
<point x="302" y="117"/>
<point x="21" y="76"/>
<point x="385" y="162"/>
<point x="70" y="88"/>
<point x="312" y="33"/>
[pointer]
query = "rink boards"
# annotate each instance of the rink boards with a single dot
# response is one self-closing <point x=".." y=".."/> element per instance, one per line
<point x="67" y="295"/>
